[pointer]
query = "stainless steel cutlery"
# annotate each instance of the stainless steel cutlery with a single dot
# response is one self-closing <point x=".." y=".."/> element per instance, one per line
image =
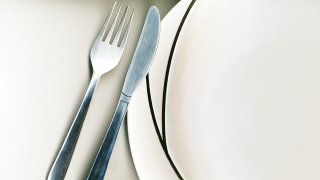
<point x="105" y="55"/>
<point x="138" y="70"/>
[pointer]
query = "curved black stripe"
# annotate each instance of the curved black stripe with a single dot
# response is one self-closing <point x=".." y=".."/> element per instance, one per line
<point x="152" y="110"/>
<point x="164" y="96"/>
<point x="162" y="140"/>
<point x="165" y="85"/>
<point x="158" y="131"/>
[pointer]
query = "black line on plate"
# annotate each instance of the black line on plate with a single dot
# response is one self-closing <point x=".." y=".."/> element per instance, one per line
<point x="162" y="139"/>
<point x="165" y="85"/>
<point x="158" y="131"/>
<point x="152" y="110"/>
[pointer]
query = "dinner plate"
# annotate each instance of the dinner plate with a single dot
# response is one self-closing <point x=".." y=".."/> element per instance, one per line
<point x="44" y="72"/>
<point x="238" y="98"/>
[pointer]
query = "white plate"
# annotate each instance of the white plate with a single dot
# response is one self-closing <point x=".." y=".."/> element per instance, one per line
<point x="242" y="97"/>
<point x="44" y="73"/>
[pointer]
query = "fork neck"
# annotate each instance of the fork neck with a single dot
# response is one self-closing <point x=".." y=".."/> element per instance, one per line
<point x="96" y="75"/>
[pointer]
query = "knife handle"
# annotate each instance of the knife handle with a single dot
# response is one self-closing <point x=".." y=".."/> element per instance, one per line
<point x="101" y="161"/>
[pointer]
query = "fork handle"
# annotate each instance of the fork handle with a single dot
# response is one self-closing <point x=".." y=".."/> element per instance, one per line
<point x="62" y="161"/>
<point x="101" y="161"/>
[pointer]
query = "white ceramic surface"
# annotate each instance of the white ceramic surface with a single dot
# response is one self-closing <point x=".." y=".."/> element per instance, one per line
<point x="44" y="72"/>
<point x="243" y="94"/>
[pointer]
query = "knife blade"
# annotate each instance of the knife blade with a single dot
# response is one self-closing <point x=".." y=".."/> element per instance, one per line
<point x="137" y="71"/>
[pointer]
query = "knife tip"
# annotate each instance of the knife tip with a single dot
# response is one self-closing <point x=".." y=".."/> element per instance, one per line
<point x="154" y="10"/>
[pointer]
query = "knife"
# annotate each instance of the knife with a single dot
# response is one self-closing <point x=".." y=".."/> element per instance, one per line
<point x="137" y="71"/>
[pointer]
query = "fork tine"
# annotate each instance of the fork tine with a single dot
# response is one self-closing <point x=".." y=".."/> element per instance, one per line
<point x="108" y="38"/>
<point x="117" y="37"/>
<point x="125" y="37"/>
<point x="106" y="23"/>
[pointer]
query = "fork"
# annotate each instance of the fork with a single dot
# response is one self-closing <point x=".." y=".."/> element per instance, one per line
<point x="105" y="54"/>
